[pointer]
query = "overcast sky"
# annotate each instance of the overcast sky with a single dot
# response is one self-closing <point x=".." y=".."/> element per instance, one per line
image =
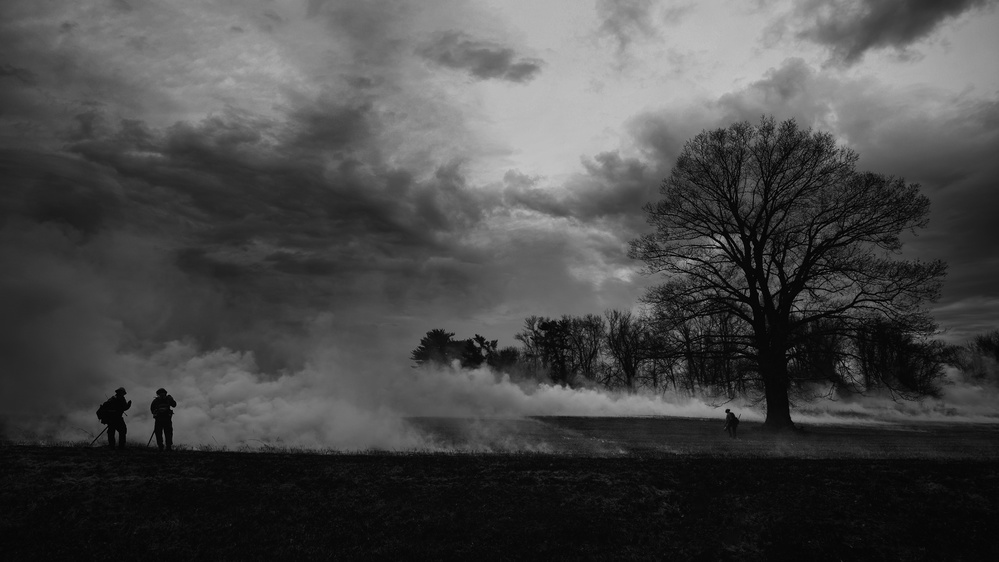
<point x="276" y="175"/>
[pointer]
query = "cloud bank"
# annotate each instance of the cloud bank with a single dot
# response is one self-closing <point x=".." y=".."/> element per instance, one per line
<point x="482" y="60"/>
<point x="850" y="29"/>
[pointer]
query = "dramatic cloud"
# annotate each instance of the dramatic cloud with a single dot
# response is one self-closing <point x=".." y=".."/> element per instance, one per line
<point x="611" y="187"/>
<point x="850" y="28"/>
<point x="481" y="59"/>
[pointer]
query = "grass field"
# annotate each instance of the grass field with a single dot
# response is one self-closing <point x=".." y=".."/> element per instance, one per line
<point x="594" y="488"/>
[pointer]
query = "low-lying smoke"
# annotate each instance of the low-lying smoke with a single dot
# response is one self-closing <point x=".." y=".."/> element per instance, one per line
<point x="343" y="403"/>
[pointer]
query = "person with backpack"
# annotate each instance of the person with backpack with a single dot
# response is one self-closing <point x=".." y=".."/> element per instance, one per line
<point x="162" y="415"/>
<point x="731" y="423"/>
<point x="111" y="414"/>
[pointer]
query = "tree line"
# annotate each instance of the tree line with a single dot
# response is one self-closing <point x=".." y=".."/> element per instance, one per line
<point x="781" y="274"/>
<point x="632" y="352"/>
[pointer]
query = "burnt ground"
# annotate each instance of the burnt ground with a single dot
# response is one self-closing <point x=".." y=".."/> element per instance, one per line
<point x="894" y="502"/>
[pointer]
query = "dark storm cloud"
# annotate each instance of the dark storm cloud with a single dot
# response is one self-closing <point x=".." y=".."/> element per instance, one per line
<point x="197" y="261"/>
<point x="47" y="189"/>
<point x="481" y="59"/>
<point x="615" y="185"/>
<point x="610" y="187"/>
<point x="791" y="91"/>
<point x="254" y="225"/>
<point x="523" y="191"/>
<point x="303" y="181"/>
<point x="850" y="28"/>
<point x="295" y="264"/>
<point x="22" y="74"/>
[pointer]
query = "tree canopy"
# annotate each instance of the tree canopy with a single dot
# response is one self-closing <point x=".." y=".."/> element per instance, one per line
<point x="771" y="228"/>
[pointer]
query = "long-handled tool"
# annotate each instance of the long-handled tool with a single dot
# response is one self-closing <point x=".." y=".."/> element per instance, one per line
<point x="98" y="436"/>
<point x="150" y="438"/>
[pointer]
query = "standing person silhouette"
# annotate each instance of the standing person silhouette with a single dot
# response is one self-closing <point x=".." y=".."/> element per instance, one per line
<point x="162" y="414"/>
<point x="114" y="410"/>
<point x="731" y="423"/>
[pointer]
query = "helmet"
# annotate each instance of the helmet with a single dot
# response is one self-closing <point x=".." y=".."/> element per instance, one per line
<point x="161" y="391"/>
<point x="727" y="410"/>
<point x="120" y="390"/>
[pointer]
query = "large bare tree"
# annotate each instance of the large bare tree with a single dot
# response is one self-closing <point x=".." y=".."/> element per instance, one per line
<point x="773" y="225"/>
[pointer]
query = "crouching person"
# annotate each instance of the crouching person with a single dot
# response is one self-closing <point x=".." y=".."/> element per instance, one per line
<point x="162" y="414"/>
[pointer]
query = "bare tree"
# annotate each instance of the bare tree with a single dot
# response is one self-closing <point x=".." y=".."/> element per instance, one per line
<point x="772" y="225"/>
<point x="979" y="359"/>
<point x="627" y="345"/>
<point x="548" y="347"/>
<point x="531" y="339"/>
<point x="586" y="338"/>
<point x="889" y="356"/>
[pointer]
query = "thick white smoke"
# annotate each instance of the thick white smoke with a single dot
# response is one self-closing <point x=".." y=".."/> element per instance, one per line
<point x="482" y="392"/>
<point x="223" y="400"/>
<point x="336" y="402"/>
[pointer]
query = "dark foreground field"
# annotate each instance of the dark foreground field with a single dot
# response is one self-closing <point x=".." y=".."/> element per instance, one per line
<point x="76" y="503"/>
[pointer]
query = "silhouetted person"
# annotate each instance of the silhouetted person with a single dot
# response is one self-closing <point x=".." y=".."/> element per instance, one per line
<point x="162" y="415"/>
<point x="114" y="410"/>
<point x="731" y="423"/>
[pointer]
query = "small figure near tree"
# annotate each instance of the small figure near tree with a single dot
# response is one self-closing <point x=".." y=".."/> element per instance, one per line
<point x="163" y="416"/>
<point x="731" y="423"/>
<point x="111" y="414"/>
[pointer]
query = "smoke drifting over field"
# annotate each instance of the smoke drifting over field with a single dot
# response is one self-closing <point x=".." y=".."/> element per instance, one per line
<point x="335" y="401"/>
<point x="350" y="402"/>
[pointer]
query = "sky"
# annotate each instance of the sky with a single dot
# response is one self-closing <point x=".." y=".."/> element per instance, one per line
<point x="284" y="184"/>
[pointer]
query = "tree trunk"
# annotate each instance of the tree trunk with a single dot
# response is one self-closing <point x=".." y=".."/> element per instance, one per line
<point x="773" y="368"/>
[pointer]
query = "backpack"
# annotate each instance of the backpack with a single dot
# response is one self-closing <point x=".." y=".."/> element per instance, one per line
<point x="104" y="410"/>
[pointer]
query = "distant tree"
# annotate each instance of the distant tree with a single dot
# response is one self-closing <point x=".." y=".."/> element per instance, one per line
<point x="711" y="351"/>
<point x="772" y="225"/>
<point x="479" y="351"/>
<point x="628" y="345"/>
<point x="586" y="339"/>
<point x="438" y="347"/>
<point x="556" y="350"/>
<point x="979" y="358"/>
<point x="507" y="360"/>
<point x="987" y="345"/>
<point x="820" y="357"/>
<point x="889" y="356"/>
<point x="564" y="348"/>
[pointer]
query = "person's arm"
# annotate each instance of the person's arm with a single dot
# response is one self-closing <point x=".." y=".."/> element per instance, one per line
<point x="173" y="403"/>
